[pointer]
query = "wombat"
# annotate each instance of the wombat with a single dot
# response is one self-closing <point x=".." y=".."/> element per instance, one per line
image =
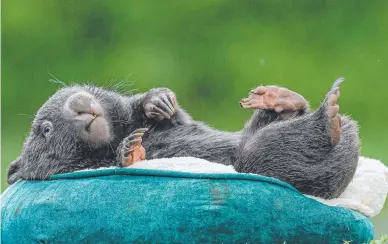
<point x="86" y="127"/>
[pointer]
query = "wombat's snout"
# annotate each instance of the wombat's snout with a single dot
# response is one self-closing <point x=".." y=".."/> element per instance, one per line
<point x="88" y="115"/>
<point x="82" y="105"/>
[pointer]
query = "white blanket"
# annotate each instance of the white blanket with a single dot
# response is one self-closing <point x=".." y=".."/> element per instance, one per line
<point x="366" y="193"/>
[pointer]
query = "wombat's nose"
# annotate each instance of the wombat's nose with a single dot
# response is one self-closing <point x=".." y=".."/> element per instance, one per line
<point x="82" y="103"/>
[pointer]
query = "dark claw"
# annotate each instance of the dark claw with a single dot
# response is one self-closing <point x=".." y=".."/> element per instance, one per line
<point x="337" y="82"/>
<point x="132" y="142"/>
<point x="335" y="88"/>
<point x="126" y="153"/>
<point x="158" y="110"/>
<point x="168" y="103"/>
<point x="132" y="136"/>
<point x="165" y="107"/>
<point x="171" y="100"/>
<point x="140" y="130"/>
<point x="155" y="114"/>
<point x="124" y="158"/>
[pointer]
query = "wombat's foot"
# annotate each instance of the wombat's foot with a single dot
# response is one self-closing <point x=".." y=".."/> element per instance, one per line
<point x="159" y="104"/>
<point x="131" y="149"/>
<point x="331" y="108"/>
<point x="274" y="98"/>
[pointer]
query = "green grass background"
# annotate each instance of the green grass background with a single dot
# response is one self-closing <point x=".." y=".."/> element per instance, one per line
<point x="210" y="52"/>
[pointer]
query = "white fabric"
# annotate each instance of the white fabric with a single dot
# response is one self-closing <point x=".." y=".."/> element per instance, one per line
<point x="184" y="164"/>
<point x="366" y="193"/>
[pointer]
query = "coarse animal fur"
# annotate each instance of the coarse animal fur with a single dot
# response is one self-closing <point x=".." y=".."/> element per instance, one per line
<point x="297" y="149"/>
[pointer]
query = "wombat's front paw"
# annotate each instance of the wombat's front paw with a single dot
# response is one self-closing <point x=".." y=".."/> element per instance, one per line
<point x="274" y="98"/>
<point x="160" y="103"/>
<point x="130" y="149"/>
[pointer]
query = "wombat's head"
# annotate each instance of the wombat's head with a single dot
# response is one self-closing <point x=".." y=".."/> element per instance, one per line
<point x="71" y="121"/>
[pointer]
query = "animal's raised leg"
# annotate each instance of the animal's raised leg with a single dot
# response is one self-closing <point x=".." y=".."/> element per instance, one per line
<point x="272" y="103"/>
<point x="317" y="153"/>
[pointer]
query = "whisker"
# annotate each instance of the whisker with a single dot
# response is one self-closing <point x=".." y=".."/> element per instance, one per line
<point x="113" y="151"/>
<point x="120" y="86"/>
<point x="28" y="115"/>
<point x="55" y="79"/>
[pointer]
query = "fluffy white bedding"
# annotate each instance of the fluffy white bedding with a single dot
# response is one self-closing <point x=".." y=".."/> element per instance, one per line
<point x="366" y="193"/>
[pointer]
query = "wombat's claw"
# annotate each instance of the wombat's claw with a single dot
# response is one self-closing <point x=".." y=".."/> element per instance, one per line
<point x="332" y="109"/>
<point x="141" y="130"/>
<point x="338" y="82"/>
<point x="161" y="106"/>
<point x="274" y="98"/>
<point x="132" y="150"/>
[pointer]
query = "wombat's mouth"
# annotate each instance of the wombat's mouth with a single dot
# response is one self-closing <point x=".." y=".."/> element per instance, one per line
<point x="91" y="121"/>
<point x="97" y="130"/>
<point x="86" y="118"/>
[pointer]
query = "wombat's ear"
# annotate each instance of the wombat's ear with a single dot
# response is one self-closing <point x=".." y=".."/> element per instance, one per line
<point x="13" y="171"/>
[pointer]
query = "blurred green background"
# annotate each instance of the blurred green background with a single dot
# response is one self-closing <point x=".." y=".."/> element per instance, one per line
<point x="210" y="52"/>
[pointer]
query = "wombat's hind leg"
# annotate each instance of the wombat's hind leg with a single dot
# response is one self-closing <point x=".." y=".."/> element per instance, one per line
<point x="272" y="103"/>
<point x="274" y="98"/>
<point x="330" y="108"/>
<point x="130" y="150"/>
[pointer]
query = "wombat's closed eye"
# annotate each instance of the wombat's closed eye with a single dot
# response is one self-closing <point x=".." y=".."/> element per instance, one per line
<point x="46" y="128"/>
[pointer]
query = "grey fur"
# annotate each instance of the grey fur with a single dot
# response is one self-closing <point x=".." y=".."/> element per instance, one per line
<point x="295" y="147"/>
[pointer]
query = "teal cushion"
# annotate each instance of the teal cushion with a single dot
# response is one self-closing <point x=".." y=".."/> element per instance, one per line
<point x="144" y="206"/>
